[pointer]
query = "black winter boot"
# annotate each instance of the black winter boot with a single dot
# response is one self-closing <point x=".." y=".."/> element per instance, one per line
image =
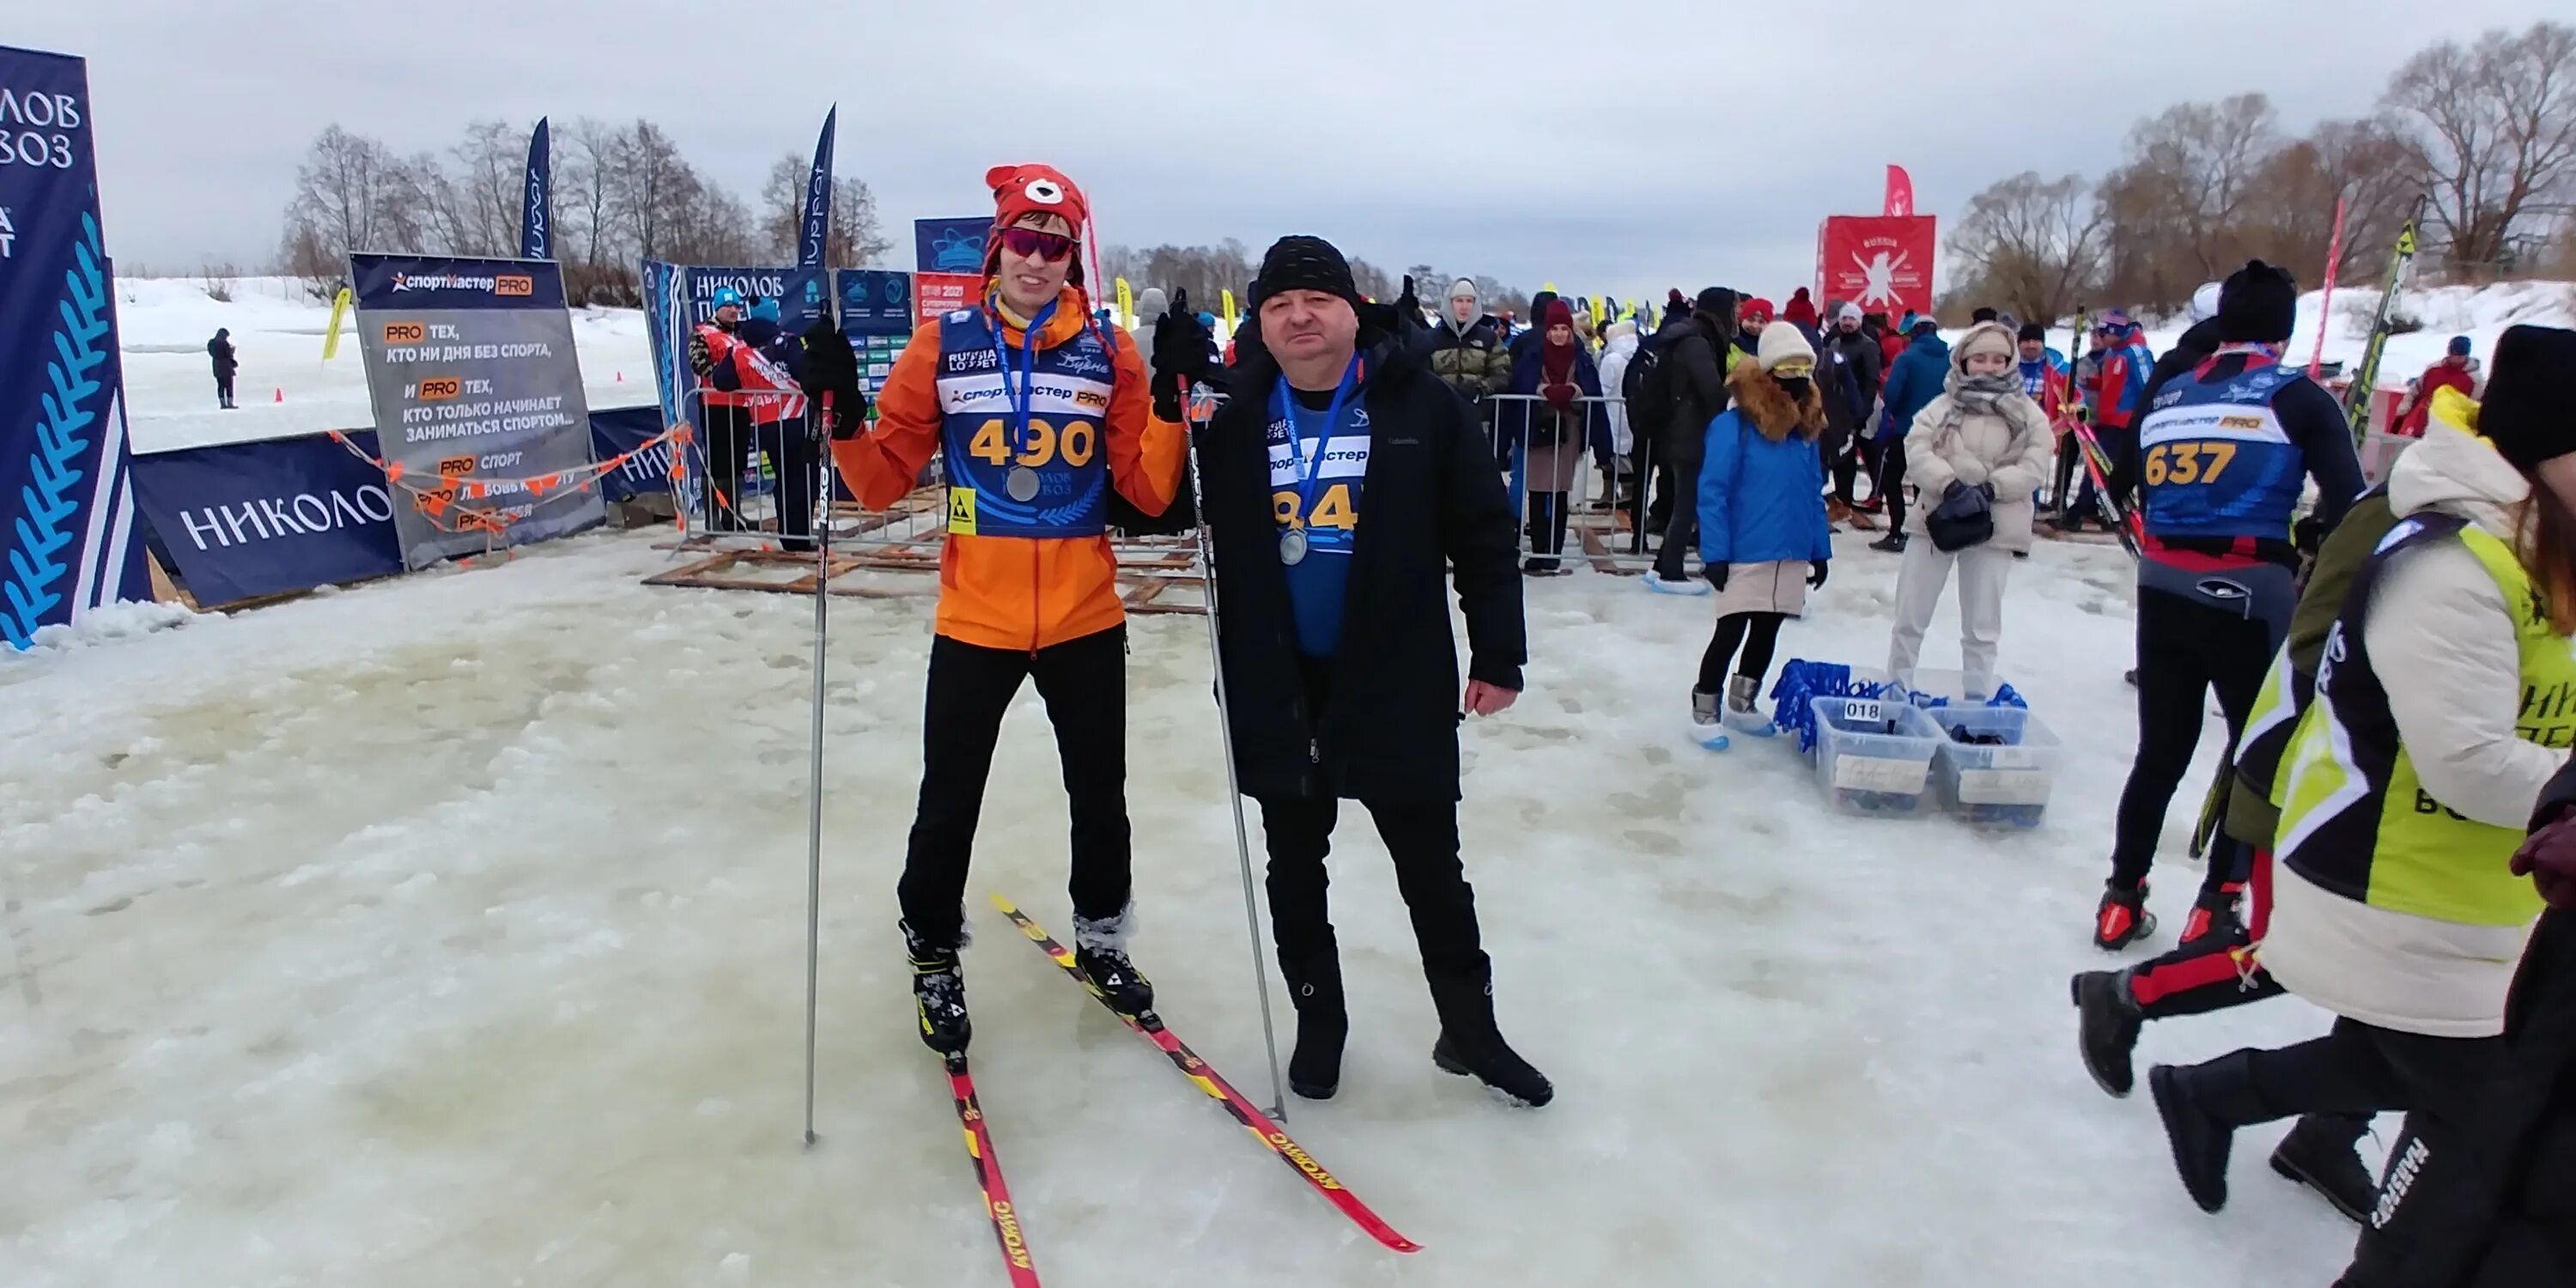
<point x="2318" y="1153"/>
<point x="1472" y="1045"/>
<point x="2107" y="1028"/>
<point x="938" y="995"/>
<point x="2202" y="1106"/>
<point x="1315" y="985"/>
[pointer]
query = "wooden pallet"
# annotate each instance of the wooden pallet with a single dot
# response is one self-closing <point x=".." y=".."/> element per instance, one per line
<point x="1154" y="586"/>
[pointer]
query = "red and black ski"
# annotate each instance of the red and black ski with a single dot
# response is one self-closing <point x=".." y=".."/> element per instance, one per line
<point x="1218" y="1089"/>
<point x="988" y="1176"/>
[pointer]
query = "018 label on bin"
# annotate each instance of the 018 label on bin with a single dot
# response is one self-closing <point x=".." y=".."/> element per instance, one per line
<point x="1881" y="774"/>
<point x="2003" y="786"/>
<point x="1862" y="712"/>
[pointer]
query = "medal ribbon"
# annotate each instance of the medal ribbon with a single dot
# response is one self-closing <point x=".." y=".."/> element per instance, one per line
<point x="1307" y="474"/>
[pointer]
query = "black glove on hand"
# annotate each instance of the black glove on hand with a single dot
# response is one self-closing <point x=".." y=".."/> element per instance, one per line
<point x="1408" y="307"/>
<point x="1716" y="574"/>
<point x="1816" y="574"/>
<point x="1180" y="356"/>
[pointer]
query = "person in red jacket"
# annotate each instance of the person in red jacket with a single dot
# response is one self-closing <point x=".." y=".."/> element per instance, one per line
<point x="2456" y="370"/>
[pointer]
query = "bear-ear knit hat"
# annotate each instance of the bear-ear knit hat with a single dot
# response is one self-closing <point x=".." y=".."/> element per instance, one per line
<point x="2526" y="413"/>
<point x="1023" y="190"/>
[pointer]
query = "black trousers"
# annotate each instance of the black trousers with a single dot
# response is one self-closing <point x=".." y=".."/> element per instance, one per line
<point x="1758" y="634"/>
<point x="1845" y="467"/>
<point x="1421" y="838"/>
<point x="1891" y="480"/>
<point x="791" y="444"/>
<point x="728" y="436"/>
<point x="2062" y="490"/>
<point x="1084" y="683"/>
<point x="1547" y="516"/>
<point x="2441" y="1083"/>
<point x="2186" y="649"/>
<point x="223" y="389"/>
<point x="1681" y="526"/>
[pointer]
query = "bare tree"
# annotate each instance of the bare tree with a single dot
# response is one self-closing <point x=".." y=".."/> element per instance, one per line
<point x="2491" y="130"/>
<point x="585" y="227"/>
<point x="352" y="193"/>
<point x="650" y="189"/>
<point x="475" y="196"/>
<point x="856" y="238"/>
<point x="2029" y="244"/>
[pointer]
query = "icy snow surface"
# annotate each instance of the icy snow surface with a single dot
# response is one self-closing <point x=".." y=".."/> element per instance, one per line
<point x="449" y="931"/>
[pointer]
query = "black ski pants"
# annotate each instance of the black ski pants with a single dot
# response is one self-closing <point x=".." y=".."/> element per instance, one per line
<point x="728" y="437"/>
<point x="2186" y="649"/>
<point x="1681" y="525"/>
<point x="223" y="389"/>
<point x="1421" y="838"/>
<point x="2441" y="1083"/>
<point x="1891" y="480"/>
<point x="1084" y="683"/>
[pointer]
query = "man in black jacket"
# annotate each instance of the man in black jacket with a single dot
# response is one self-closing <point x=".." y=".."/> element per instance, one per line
<point x="1861" y="357"/>
<point x="1344" y="487"/>
<point x="1695" y="366"/>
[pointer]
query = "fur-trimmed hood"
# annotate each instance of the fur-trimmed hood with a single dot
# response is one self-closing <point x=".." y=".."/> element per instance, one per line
<point x="1761" y="400"/>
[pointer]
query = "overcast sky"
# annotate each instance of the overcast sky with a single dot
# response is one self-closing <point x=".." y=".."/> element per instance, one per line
<point x="1607" y="148"/>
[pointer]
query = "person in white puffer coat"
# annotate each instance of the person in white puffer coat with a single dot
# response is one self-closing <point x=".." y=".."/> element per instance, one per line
<point x="1621" y="346"/>
<point x="1982" y="435"/>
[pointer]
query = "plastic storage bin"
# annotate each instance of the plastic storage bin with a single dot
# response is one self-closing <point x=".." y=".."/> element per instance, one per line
<point x="1874" y="757"/>
<point x="1991" y="785"/>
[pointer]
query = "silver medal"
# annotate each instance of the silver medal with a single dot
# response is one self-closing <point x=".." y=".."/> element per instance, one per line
<point x="1292" y="547"/>
<point x="1021" y="483"/>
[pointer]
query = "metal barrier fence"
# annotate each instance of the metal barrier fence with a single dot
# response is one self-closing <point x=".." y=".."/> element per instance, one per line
<point x="1600" y="514"/>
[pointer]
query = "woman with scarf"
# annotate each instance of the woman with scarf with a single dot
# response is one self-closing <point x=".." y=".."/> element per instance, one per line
<point x="1977" y="455"/>
<point x="1763" y="539"/>
<point x="1561" y="373"/>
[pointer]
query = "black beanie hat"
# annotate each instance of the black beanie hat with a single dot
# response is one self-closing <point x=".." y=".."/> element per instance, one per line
<point x="2526" y="413"/>
<point x="2259" y="304"/>
<point x="1304" y="264"/>
<point x="2034" y="331"/>
<point x="1982" y="315"/>
<point x="1715" y="303"/>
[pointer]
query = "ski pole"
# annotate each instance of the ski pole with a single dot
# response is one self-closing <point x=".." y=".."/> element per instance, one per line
<point x="1200" y="407"/>
<point x="819" y="530"/>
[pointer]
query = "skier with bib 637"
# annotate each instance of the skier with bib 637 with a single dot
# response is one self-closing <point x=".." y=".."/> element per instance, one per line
<point x="1037" y="413"/>
<point x="2226" y="448"/>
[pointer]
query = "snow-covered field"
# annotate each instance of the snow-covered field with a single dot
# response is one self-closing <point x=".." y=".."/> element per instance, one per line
<point x="277" y="331"/>
<point x="449" y="931"/>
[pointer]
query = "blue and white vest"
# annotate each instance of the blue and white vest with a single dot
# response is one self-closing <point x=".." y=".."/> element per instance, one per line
<point x="979" y="437"/>
<point x="2214" y="462"/>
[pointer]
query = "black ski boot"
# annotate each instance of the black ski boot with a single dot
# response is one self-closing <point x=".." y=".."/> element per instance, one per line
<point x="938" y="995"/>
<point x="2107" y="1028"/>
<point x="2122" y="918"/>
<point x="1100" y="949"/>
<point x="2202" y="1106"/>
<point x="1315" y="985"/>
<point x="2318" y="1153"/>
<point x="1471" y="1045"/>
<point x="2214" y="913"/>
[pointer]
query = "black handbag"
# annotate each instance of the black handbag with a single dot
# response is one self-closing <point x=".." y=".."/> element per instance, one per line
<point x="1965" y="517"/>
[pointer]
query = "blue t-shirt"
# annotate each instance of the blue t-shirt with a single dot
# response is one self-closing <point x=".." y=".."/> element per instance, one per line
<point x="1318" y="583"/>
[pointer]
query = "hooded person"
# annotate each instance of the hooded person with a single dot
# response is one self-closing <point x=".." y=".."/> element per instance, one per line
<point x="1614" y="456"/>
<point x="1343" y="485"/>
<point x="1469" y="350"/>
<point x="220" y="351"/>
<point x="1696" y="364"/>
<point x="1977" y="455"/>
<point x="1563" y="414"/>
<point x="1150" y="308"/>
<point x="1764" y="540"/>
<point x="2441" y="719"/>
<point x="1036" y="413"/>
<point x="2226" y="449"/>
<point x="1918" y="377"/>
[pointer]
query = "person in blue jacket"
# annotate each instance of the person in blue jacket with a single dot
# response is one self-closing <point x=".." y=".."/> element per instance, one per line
<point x="1762" y="530"/>
<point x="1919" y="376"/>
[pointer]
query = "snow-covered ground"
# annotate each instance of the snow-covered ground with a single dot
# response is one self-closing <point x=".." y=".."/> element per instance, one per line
<point x="277" y="331"/>
<point x="450" y="931"/>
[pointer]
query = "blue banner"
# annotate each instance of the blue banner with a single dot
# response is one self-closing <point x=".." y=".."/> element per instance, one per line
<point x="536" y="224"/>
<point x="665" y="323"/>
<point x="244" y="520"/>
<point x="620" y="430"/>
<point x="950" y="245"/>
<point x="875" y="301"/>
<point x="818" y="198"/>
<point x="66" y="498"/>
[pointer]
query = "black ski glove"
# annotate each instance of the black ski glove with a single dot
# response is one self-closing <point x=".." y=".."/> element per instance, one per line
<point x="1816" y="574"/>
<point x="1180" y="356"/>
<point x="1716" y="574"/>
<point x="1408" y="307"/>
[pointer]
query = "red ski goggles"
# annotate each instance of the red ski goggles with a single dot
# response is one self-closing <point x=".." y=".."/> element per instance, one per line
<point x="1029" y="243"/>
